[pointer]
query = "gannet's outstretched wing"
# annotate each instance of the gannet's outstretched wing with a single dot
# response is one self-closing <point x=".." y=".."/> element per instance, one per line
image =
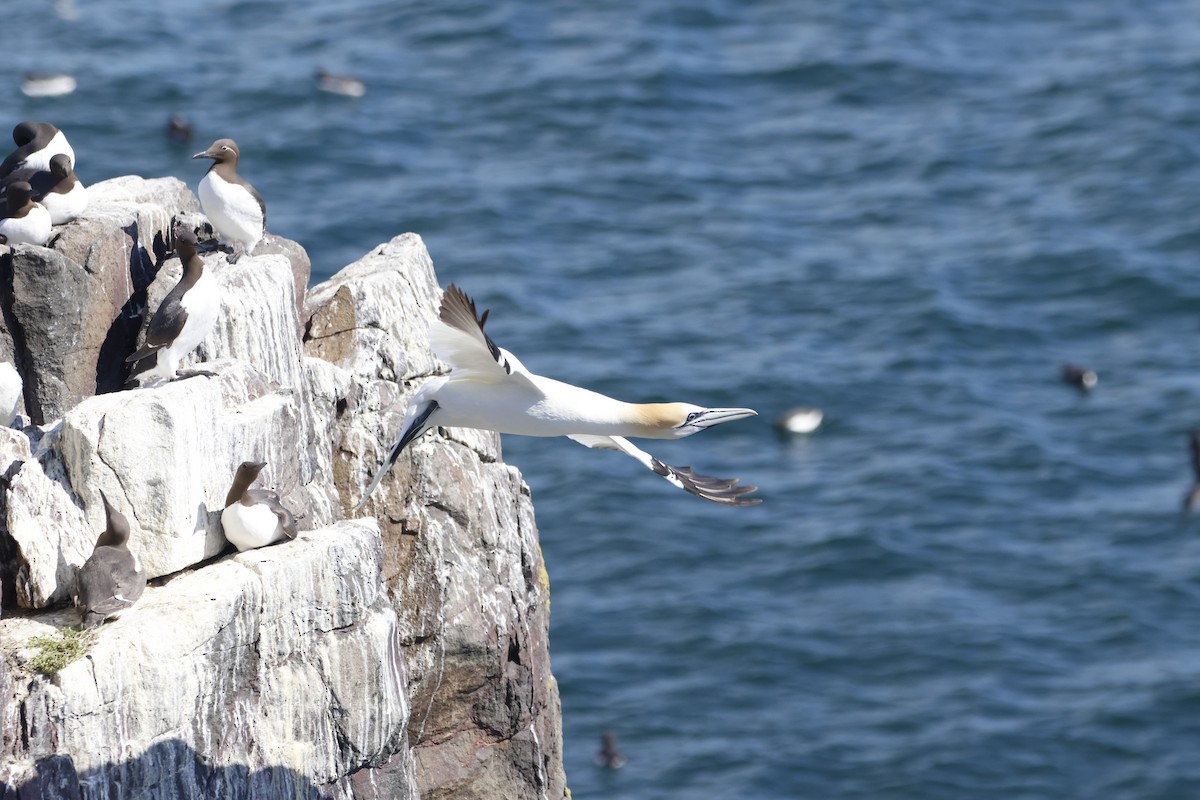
<point x="719" y="490"/>
<point x="458" y="339"/>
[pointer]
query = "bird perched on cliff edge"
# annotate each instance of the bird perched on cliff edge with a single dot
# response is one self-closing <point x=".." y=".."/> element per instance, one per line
<point x="488" y="388"/>
<point x="184" y="318"/>
<point x="37" y="143"/>
<point x="57" y="189"/>
<point x="254" y="517"/>
<point x="25" y="222"/>
<point x="111" y="580"/>
<point x="233" y="206"/>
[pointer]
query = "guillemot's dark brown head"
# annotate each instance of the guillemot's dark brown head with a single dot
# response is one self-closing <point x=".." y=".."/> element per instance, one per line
<point x="247" y="474"/>
<point x="20" y="198"/>
<point x="222" y="151"/>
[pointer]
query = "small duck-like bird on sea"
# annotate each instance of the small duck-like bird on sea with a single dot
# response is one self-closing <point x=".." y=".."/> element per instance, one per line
<point x="254" y="517"/>
<point x="488" y="388"/>
<point x="111" y="580"/>
<point x="234" y="207"/>
<point x="183" y="319"/>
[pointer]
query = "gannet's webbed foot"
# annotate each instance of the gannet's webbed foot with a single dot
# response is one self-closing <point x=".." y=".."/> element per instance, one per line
<point x="718" y="490"/>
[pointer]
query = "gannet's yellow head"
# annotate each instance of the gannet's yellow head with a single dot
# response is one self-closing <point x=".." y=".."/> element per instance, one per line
<point x="677" y="420"/>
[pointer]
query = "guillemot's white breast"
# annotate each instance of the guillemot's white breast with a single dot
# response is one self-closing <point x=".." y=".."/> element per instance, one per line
<point x="254" y="517"/>
<point x="232" y="205"/>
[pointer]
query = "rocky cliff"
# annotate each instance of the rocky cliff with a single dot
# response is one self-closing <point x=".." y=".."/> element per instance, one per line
<point x="396" y="655"/>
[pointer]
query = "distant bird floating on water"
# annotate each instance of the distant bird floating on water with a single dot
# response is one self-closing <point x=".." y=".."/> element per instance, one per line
<point x="346" y="85"/>
<point x="41" y="84"/>
<point x="232" y="205"/>
<point x="111" y="580"/>
<point x="1192" y="498"/>
<point x="25" y="221"/>
<point x="179" y="129"/>
<point x="488" y="388"/>
<point x="184" y="317"/>
<point x="802" y="419"/>
<point x="609" y="757"/>
<point x="58" y="189"/>
<point x="254" y="517"/>
<point x="37" y="143"/>
<point x="1083" y="379"/>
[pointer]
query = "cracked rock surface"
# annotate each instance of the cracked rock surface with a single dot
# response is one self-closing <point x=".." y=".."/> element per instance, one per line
<point x="400" y="655"/>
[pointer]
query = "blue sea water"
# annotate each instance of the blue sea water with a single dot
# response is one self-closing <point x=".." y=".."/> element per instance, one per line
<point x="972" y="581"/>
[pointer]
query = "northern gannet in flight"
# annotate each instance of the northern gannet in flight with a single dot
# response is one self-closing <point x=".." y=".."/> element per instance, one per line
<point x="488" y="388"/>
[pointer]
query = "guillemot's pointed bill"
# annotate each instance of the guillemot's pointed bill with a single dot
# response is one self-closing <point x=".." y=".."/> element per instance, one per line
<point x="37" y="143"/>
<point x="25" y="222"/>
<point x="185" y="316"/>
<point x="232" y="205"/>
<point x="488" y="388"/>
<point x="111" y="580"/>
<point x="58" y="189"/>
<point x="254" y="517"/>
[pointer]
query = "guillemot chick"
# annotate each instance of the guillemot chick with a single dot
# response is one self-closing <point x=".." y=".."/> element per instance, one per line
<point x="254" y="517"/>
<point x="234" y="207"/>
<point x="11" y="388"/>
<point x="26" y="222"/>
<point x="58" y="189"/>
<point x="37" y="143"/>
<point x="184" y="318"/>
<point x="111" y="580"/>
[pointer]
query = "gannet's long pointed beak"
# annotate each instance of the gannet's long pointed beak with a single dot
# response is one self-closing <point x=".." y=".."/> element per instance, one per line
<point x="418" y="426"/>
<point x="715" y="416"/>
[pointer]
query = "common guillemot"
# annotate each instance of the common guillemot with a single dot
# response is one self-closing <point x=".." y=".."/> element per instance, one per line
<point x="254" y="517"/>
<point x="488" y="388"/>
<point x="37" y="143"/>
<point x="111" y="580"/>
<point x="185" y="316"/>
<point x="58" y="189"/>
<point x="234" y="207"/>
<point x="26" y="222"/>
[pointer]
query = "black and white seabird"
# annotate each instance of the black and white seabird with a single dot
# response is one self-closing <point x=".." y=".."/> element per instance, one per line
<point x="11" y="388"/>
<point x="345" y="85"/>
<point x="489" y="389"/>
<point x="37" y="143"/>
<point x="1081" y="378"/>
<point x="62" y="194"/>
<point x="26" y="222"/>
<point x="232" y="205"/>
<point x="185" y="316"/>
<point x="179" y="129"/>
<point x="45" y="84"/>
<point x="254" y="517"/>
<point x="111" y="580"/>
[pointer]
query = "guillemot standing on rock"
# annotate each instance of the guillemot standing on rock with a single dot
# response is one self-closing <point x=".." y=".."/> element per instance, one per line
<point x="62" y="194"/>
<point x="11" y="388"/>
<point x="488" y="388"/>
<point x="111" y="580"/>
<point x="26" y="222"/>
<point x="234" y="207"/>
<point x="185" y="316"/>
<point x="254" y="517"/>
<point x="37" y="143"/>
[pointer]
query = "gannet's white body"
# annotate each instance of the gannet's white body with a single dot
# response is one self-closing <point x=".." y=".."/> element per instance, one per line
<point x="489" y="388"/>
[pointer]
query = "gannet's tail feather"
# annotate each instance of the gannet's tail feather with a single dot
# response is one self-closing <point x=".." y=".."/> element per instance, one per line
<point x="718" y="490"/>
<point x="418" y="426"/>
